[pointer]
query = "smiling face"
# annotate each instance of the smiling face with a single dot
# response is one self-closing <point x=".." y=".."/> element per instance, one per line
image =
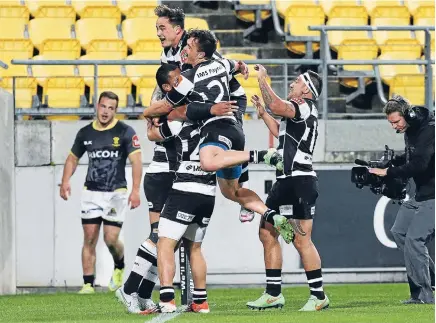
<point x="297" y="88"/>
<point x="191" y="53"/>
<point x="106" y="110"/>
<point x="167" y="33"/>
<point x="397" y="121"/>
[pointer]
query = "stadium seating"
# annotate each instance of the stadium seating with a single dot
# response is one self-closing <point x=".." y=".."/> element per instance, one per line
<point x="25" y="90"/>
<point x="13" y="20"/>
<point x="298" y="17"/>
<point x="64" y="92"/>
<point x="42" y="72"/>
<point x="51" y="9"/>
<point x="87" y="71"/>
<point x="137" y="39"/>
<point x="15" y="49"/>
<point x="339" y="8"/>
<point x="97" y="9"/>
<point x="41" y="29"/>
<point x="424" y="16"/>
<point x="134" y="8"/>
<point x="250" y="15"/>
<point x="413" y="5"/>
<point x="410" y="86"/>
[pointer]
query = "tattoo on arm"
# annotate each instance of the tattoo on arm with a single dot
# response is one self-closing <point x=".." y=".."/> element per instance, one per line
<point x="157" y="95"/>
<point x="267" y="98"/>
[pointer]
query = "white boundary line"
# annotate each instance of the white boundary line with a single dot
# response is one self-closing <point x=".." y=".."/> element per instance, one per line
<point x="165" y="317"/>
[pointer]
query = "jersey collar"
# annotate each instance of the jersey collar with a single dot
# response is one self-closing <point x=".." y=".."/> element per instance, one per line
<point x="112" y="124"/>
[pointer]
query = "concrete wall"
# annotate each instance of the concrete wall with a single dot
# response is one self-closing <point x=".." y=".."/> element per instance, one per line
<point x="7" y="197"/>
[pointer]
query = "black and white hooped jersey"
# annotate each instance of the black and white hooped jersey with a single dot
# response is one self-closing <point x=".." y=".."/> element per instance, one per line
<point x="190" y="177"/>
<point x="165" y="155"/>
<point x="237" y="93"/>
<point x="297" y="139"/>
<point x="107" y="150"/>
<point x="207" y="82"/>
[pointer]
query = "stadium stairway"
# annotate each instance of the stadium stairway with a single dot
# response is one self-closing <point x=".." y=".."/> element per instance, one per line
<point x="264" y="44"/>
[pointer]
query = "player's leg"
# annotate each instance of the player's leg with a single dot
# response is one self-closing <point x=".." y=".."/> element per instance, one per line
<point x="91" y="230"/>
<point x="245" y="215"/>
<point x="273" y="297"/>
<point x="111" y="231"/>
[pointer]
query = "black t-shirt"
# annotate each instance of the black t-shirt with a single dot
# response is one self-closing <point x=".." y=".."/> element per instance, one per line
<point x="107" y="150"/>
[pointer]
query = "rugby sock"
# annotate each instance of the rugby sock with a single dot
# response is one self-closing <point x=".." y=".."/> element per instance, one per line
<point x="274" y="282"/>
<point x="256" y="156"/>
<point x="119" y="264"/>
<point x="268" y="216"/>
<point x="89" y="279"/>
<point x="314" y="279"/>
<point x="166" y="294"/>
<point x="199" y="296"/>
<point x="146" y="258"/>
<point x="148" y="283"/>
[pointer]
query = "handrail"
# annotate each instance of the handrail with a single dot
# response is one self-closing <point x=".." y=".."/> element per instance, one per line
<point x="276" y="21"/>
<point x="371" y="28"/>
<point x="4" y="65"/>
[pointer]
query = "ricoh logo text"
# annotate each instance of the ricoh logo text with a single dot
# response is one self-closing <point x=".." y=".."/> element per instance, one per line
<point x="103" y="154"/>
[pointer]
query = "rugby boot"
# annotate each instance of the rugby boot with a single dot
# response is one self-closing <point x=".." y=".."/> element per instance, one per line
<point x="315" y="304"/>
<point x="267" y="301"/>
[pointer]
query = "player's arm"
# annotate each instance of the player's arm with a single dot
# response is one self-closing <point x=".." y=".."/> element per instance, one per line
<point x="133" y="148"/>
<point x="197" y="111"/>
<point x="178" y="114"/>
<point x="157" y="95"/>
<point x="70" y="166"/>
<point x="277" y="106"/>
<point x="272" y="124"/>
<point x="158" y="108"/>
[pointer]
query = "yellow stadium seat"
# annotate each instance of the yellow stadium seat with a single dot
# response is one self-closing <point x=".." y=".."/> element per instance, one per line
<point x="144" y="90"/>
<point x="370" y="5"/>
<point x="350" y="49"/>
<point x="298" y="18"/>
<point x="336" y="37"/>
<point x="63" y="93"/>
<point x="66" y="48"/>
<point x="42" y="72"/>
<point x="424" y="16"/>
<point x="51" y="9"/>
<point x="413" y="5"/>
<point x="410" y="86"/>
<point x="136" y="39"/>
<point x="136" y="72"/>
<point x="390" y="15"/>
<point x="340" y="8"/>
<point x="388" y="72"/>
<point x="41" y="29"/>
<point x="196" y="23"/>
<point x="87" y="71"/>
<point x="25" y="90"/>
<point x="15" y="49"/>
<point x="250" y="15"/>
<point x="12" y="21"/>
<point x="402" y="48"/>
<point x="88" y="30"/>
<point x="137" y="8"/>
<point x="97" y="9"/>
<point x="121" y="86"/>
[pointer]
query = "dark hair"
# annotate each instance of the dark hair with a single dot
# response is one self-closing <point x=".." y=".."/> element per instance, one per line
<point x="206" y="41"/>
<point x="396" y="104"/>
<point x="176" y="16"/>
<point x="109" y="95"/>
<point x="163" y="73"/>
<point x="316" y="80"/>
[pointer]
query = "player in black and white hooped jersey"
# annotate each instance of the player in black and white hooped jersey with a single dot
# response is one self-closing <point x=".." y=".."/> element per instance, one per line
<point x="136" y="292"/>
<point x="105" y="200"/>
<point x="173" y="36"/>
<point x="295" y="192"/>
<point x="222" y="138"/>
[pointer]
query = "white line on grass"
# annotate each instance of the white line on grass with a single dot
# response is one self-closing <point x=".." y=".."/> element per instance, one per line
<point x="165" y="317"/>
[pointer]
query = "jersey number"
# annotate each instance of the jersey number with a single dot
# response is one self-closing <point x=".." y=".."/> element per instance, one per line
<point x="312" y="141"/>
<point x="195" y="154"/>
<point x="219" y="85"/>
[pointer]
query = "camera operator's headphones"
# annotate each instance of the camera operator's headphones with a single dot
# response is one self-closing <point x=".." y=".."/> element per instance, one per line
<point x="414" y="114"/>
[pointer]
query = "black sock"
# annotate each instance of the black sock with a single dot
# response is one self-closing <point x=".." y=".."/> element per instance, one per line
<point x="166" y="293"/>
<point x="314" y="279"/>
<point x="274" y="282"/>
<point x="257" y="156"/>
<point x="89" y="279"/>
<point x="119" y="264"/>
<point x="199" y="296"/>
<point x="144" y="268"/>
<point x="268" y="216"/>
<point x="146" y="288"/>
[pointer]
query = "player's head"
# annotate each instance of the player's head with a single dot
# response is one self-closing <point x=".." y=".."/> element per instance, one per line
<point x="306" y="85"/>
<point x="170" y="25"/>
<point x="200" y="46"/>
<point x="395" y="109"/>
<point x="167" y="76"/>
<point x="106" y="107"/>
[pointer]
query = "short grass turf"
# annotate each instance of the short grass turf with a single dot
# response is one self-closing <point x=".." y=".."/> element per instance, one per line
<point x="354" y="303"/>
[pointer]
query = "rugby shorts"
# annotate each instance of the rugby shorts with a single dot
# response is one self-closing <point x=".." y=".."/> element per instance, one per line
<point x="110" y="207"/>
<point x="186" y="215"/>
<point x="294" y="197"/>
<point x="156" y="188"/>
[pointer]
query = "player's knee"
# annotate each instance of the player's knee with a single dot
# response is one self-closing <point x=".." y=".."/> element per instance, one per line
<point x="302" y="242"/>
<point x="110" y="240"/>
<point x="90" y="242"/>
<point x="229" y="193"/>
<point x="267" y="237"/>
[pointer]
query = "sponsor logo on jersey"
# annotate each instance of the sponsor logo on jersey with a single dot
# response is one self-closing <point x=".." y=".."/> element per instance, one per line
<point x="225" y="140"/>
<point x="135" y="142"/>
<point x="194" y="168"/>
<point x="103" y="154"/>
<point x="186" y="217"/>
<point x="116" y="142"/>
<point x="87" y="143"/>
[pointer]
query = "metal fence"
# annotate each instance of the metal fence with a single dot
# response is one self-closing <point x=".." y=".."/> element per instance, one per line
<point x="323" y="67"/>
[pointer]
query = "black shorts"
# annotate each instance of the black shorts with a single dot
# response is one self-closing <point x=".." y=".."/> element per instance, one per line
<point x="99" y="220"/>
<point x="186" y="215"/>
<point x="156" y="188"/>
<point x="244" y="174"/>
<point x="226" y="133"/>
<point x="294" y="197"/>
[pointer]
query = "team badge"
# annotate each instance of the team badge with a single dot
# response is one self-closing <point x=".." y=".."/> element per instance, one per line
<point x="116" y="142"/>
<point x="135" y="142"/>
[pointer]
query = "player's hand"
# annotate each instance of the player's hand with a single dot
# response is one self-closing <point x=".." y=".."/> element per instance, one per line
<point x="226" y="108"/>
<point x="243" y="69"/>
<point x="260" y="109"/>
<point x="379" y="171"/>
<point x="65" y="190"/>
<point x="261" y="70"/>
<point x="134" y="199"/>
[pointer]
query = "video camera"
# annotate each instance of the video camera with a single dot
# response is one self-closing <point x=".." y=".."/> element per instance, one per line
<point x="394" y="188"/>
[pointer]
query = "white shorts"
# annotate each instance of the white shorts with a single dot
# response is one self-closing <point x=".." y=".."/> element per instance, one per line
<point x="176" y="231"/>
<point x="111" y="206"/>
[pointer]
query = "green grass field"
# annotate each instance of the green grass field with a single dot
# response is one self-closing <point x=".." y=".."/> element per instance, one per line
<point x="349" y="303"/>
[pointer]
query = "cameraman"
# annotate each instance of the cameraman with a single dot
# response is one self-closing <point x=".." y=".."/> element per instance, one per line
<point x="415" y="222"/>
